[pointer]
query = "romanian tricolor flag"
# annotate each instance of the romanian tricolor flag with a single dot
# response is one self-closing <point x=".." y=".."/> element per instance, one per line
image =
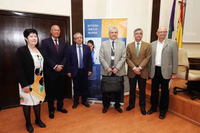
<point x="179" y="35"/>
<point x="171" y="24"/>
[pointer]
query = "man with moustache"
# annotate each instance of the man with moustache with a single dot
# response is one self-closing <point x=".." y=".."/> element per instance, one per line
<point x="55" y="56"/>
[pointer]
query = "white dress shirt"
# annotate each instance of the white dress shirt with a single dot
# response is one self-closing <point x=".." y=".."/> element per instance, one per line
<point x="159" y="52"/>
<point x="77" y="50"/>
<point x="55" y="41"/>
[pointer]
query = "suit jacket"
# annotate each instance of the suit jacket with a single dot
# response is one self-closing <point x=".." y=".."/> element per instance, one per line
<point x="73" y="60"/>
<point x="24" y="66"/>
<point x="105" y="57"/>
<point x="53" y="58"/>
<point x="142" y="60"/>
<point x="169" y="59"/>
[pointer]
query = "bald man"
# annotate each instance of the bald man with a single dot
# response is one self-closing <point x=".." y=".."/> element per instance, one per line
<point x="55" y="56"/>
<point x="163" y="66"/>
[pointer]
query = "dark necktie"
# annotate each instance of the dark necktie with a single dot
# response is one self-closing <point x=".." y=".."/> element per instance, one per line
<point x="57" y="46"/>
<point x="112" y="55"/>
<point x="113" y="43"/>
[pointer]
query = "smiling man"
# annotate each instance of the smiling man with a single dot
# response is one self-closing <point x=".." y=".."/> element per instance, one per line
<point x="55" y="57"/>
<point x="79" y="68"/>
<point x="137" y="58"/>
<point x="163" y="66"/>
<point x="112" y="57"/>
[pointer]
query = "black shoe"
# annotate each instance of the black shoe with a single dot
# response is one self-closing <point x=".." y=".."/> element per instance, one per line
<point x="119" y="109"/>
<point x="162" y="116"/>
<point x="104" y="110"/>
<point x="143" y="111"/>
<point x="86" y="104"/>
<point x="151" y="111"/>
<point x="40" y="123"/>
<point x="29" y="127"/>
<point x="62" y="110"/>
<point x="75" y="105"/>
<point x="51" y="114"/>
<point x="129" y="108"/>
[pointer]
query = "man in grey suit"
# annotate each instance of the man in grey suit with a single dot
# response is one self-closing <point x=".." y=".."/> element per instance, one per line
<point x="163" y="66"/>
<point x="112" y="57"/>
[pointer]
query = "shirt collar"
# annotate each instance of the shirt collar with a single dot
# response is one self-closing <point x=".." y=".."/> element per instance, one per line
<point x="54" y="38"/>
<point x="162" y="42"/>
<point x="137" y="42"/>
<point x="112" y="41"/>
<point x="78" y="45"/>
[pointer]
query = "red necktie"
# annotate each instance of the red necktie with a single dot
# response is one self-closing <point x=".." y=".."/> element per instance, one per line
<point x="57" y="46"/>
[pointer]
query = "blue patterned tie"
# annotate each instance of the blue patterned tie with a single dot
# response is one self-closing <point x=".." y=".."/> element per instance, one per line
<point x="80" y="58"/>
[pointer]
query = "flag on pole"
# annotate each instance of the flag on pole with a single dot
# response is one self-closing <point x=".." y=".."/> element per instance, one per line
<point x="179" y="35"/>
<point x="171" y="23"/>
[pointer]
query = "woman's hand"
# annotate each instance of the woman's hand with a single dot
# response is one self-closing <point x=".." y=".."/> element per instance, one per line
<point x="26" y="89"/>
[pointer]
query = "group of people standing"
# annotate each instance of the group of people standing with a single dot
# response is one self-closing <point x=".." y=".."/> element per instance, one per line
<point x="158" y="60"/>
<point x="41" y="70"/>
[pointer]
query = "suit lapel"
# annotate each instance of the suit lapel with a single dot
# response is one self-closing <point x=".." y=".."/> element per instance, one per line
<point x="154" y="49"/>
<point x="83" y="51"/>
<point x="59" y="46"/>
<point x="141" y="49"/>
<point x="53" y="45"/>
<point x="76" y="56"/>
<point x="165" y="44"/>
<point x="133" y="48"/>
<point x="116" y="48"/>
<point x="108" y="46"/>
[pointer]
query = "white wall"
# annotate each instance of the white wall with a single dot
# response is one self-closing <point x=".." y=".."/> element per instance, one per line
<point x="60" y="7"/>
<point x="138" y="12"/>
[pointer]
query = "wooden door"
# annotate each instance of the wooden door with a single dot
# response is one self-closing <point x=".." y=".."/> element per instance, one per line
<point x="12" y="25"/>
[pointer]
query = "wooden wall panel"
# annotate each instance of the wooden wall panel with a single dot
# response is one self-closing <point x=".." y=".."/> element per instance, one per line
<point x="12" y="25"/>
<point x="77" y="16"/>
<point x="155" y="19"/>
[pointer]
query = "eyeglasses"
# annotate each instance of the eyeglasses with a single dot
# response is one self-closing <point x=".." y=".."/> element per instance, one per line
<point x="138" y="33"/>
<point x="162" y="31"/>
<point x="78" y="37"/>
<point x="55" y="30"/>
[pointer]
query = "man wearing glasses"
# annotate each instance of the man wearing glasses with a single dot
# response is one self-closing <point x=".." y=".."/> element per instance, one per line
<point x="137" y="58"/>
<point x="163" y="66"/>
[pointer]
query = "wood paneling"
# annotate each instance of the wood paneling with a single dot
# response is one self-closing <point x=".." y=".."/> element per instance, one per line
<point x="155" y="19"/>
<point x="12" y="25"/>
<point x="11" y="37"/>
<point x="77" y="16"/>
<point x="194" y="63"/>
<point x="180" y="104"/>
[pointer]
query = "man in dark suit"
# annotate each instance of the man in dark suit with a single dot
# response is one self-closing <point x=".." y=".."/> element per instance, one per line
<point x="55" y="55"/>
<point x="79" y="68"/>
<point x="163" y="66"/>
<point x="137" y="58"/>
